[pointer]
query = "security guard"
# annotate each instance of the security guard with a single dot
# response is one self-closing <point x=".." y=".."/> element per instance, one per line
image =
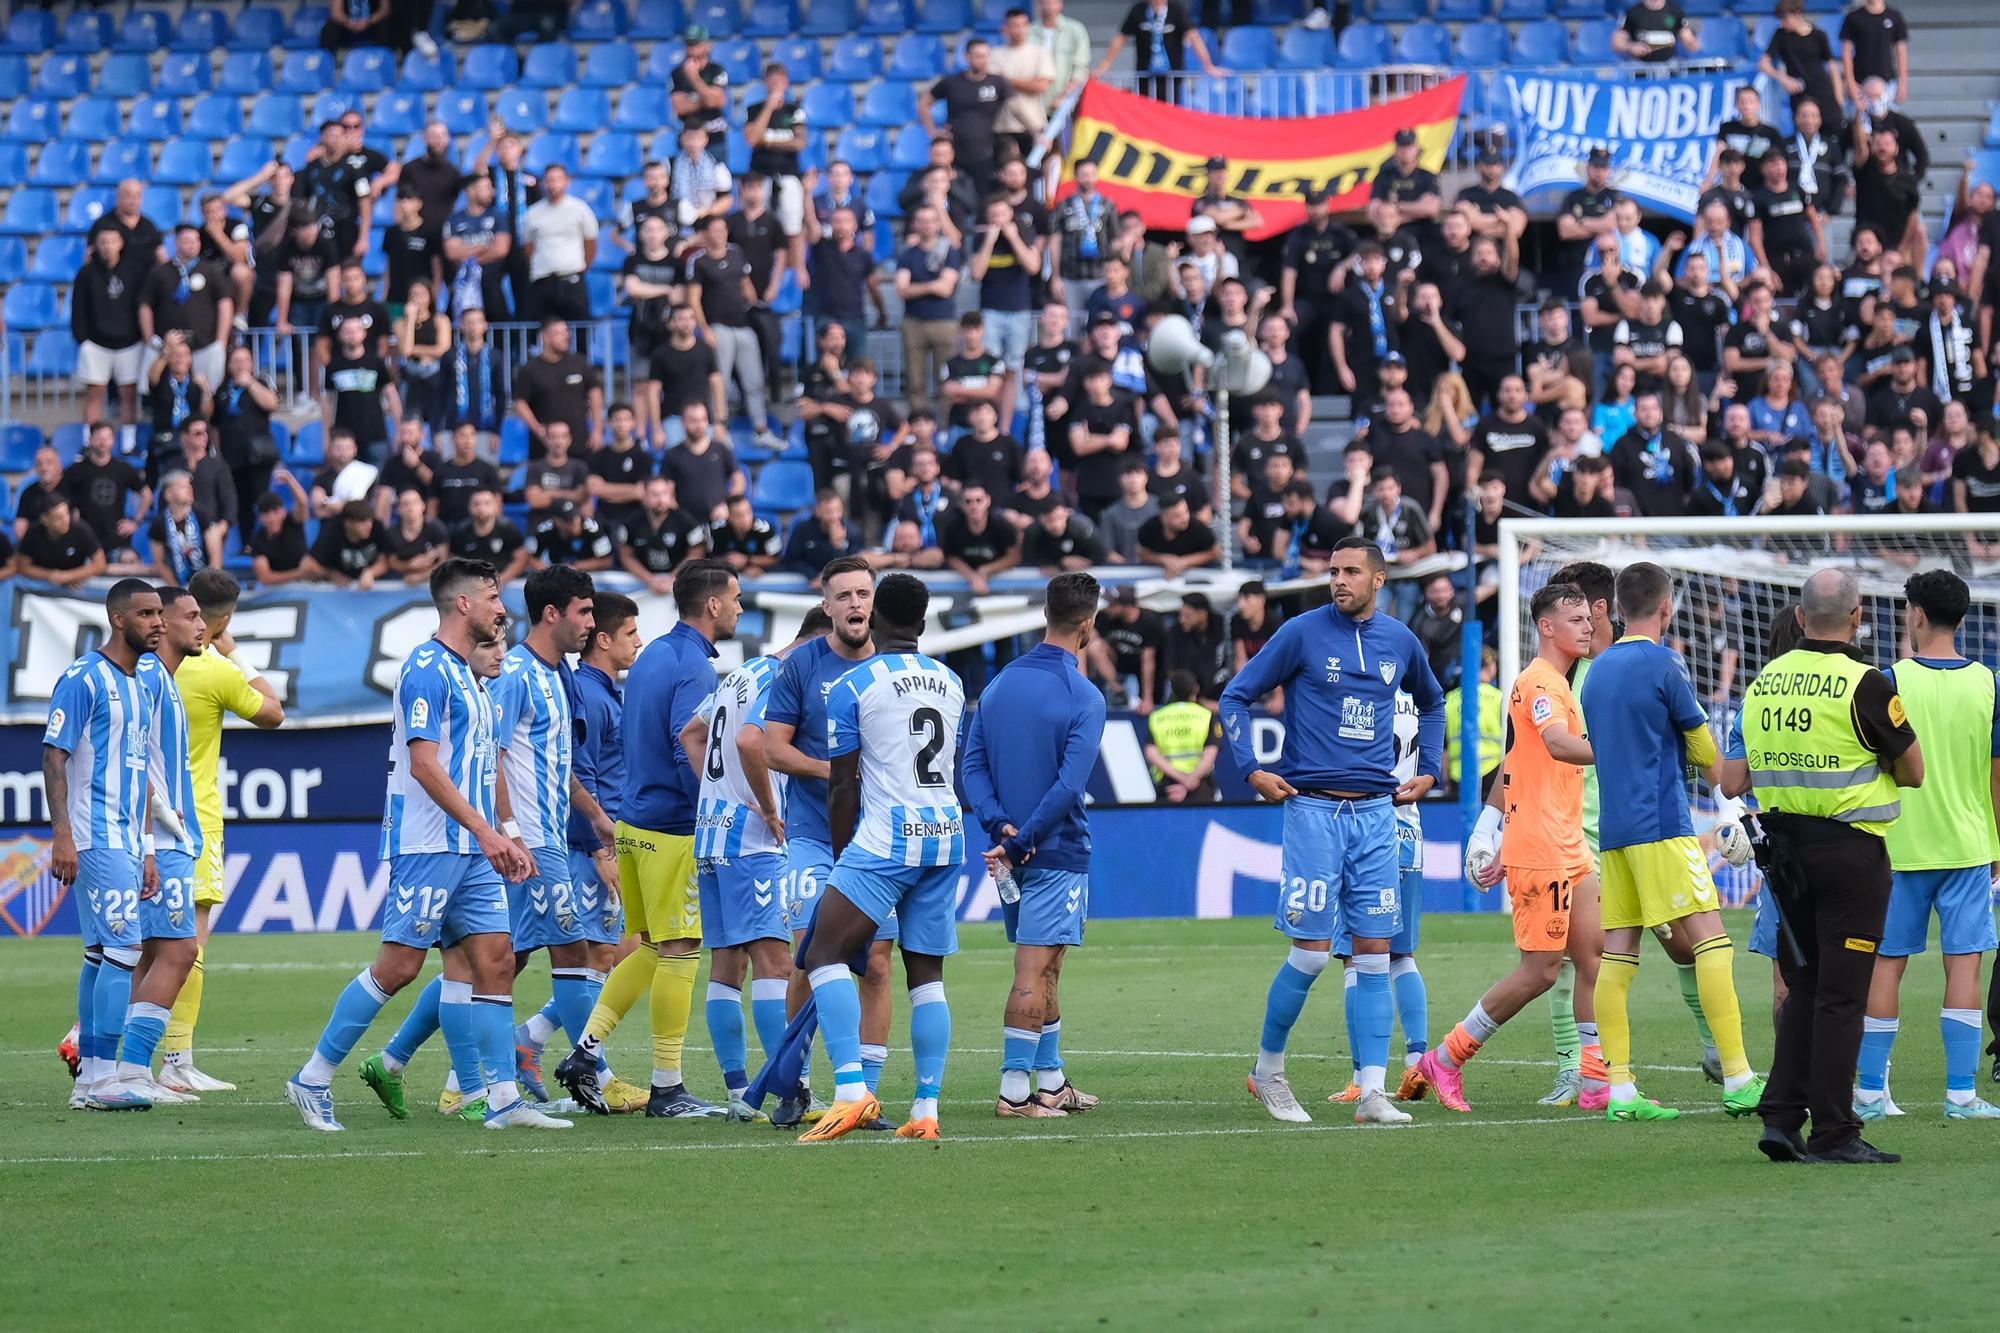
<point x="1185" y="740"/>
<point x="1827" y="746"/>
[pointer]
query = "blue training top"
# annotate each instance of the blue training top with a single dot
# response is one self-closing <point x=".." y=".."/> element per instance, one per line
<point x="1030" y="766"/>
<point x="797" y="697"/>
<point x="662" y="691"/>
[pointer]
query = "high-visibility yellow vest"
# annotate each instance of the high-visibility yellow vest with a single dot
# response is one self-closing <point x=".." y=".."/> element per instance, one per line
<point x="1804" y="753"/>
<point x="1947" y="824"/>
<point x="1180" y="733"/>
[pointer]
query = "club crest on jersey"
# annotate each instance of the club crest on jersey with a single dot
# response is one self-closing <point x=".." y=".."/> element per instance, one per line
<point x="1333" y="671"/>
<point x="1388" y="670"/>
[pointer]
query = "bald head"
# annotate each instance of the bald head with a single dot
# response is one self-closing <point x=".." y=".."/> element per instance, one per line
<point x="1828" y="603"/>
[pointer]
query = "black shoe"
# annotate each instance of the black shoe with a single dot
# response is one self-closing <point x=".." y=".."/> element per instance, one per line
<point x="791" y="1110"/>
<point x="1996" y="1066"/>
<point x="1858" y="1152"/>
<point x="1782" y="1145"/>
<point x="878" y="1124"/>
<point x="578" y="1075"/>
<point x="677" y="1103"/>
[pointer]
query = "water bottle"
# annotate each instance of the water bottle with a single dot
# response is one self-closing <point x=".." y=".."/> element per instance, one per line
<point x="1009" y="889"/>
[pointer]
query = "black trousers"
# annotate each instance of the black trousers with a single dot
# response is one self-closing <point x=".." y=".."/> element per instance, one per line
<point x="1838" y="926"/>
<point x="561" y="296"/>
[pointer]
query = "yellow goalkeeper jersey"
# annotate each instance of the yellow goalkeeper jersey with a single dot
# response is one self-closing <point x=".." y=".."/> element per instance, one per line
<point x="210" y="685"/>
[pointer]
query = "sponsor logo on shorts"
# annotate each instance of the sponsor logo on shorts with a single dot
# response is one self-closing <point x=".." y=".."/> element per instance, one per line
<point x="1859" y="945"/>
<point x="1556" y="927"/>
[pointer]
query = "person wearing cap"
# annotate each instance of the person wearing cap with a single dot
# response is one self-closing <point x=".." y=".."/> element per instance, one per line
<point x="1905" y="394"/>
<point x="1402" y="181"/>
<point x="1233" y="217"/>
<point x="1206" y="253"/>
<point x="1951" y="357"/>
<point x="1490" y="207"/>
<point x="1585" y="212"/>
<point x="700" y="90"/>
<point x="1161" y="33"/>
<point x="1315" y="267"/>
<point x="1654" y="32"/>
<point x="568" y="536"/>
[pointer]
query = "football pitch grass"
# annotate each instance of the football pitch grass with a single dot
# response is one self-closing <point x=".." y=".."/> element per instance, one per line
<point x="1177" y="1202"/>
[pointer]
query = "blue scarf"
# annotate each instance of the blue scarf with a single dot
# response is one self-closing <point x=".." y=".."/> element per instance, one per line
<point x="1378" y="326"/>
<point x="1294" y="552"/>
<point x="179" y="389"/>
<point x="182" y="291"/>
<point x="926" y="509"/>
<point x="1727" y="501"/>
<point x="1086" y="244"/>
<point x="184" y="545"/>
<point x="1659" y="463"/>
<point x="472" y="386"/>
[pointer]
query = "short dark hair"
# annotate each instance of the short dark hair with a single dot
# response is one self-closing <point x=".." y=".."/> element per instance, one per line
<point x="555" y="586"/>
<point x="697" y="581"/>
<point x="122" y="593"/>
<point x="1641" y="589"/>
<point x="1253" y="588"/>
<point x="1375" y="560"/>
<point x="1182" y="687"/>
<point x="815" y="622"/>
<point x="1941" y="595"/>
<point x="1596" y="582"/>
<point x="450" y="579"/>
<point x="844" y="564"/>
<point x="610" y="610"/>
<point x="972" y="319"/>
<point x="1071" y="599"/>
<point x="216" y="590"/>
<point x="357" y="511"/>
<point x="1550" y="595"/>
<point x="1786" y="631"/>
<point x="171" y="593"/>
<point x="901" y="602"/>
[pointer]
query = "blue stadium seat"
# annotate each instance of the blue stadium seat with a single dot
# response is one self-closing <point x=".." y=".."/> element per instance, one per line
<point x="1721" y="39"/>
<point x="163" y="204"/>
<point x="215" y="116"/>
<point x="885" y="18"/>
<point x="57" y="258"/>
<point x="800" y="57"/>
<point x="54" y="354"/>
<point x="1396" y="11"/>
<point x="14" y="256"/>
<point x="551" y="65"/>
<point x="68" y="441"/>
<point x="93" y="118"/>
<point x="63" y="76"/>
<point x="603" y="290"/>
<point x="245" y="73"/>
<point x="736" y="156"/>
<point x="257" y="28"/>
<point x="367" y="69"/>
<point x="657" y="20"/>
<point x="1365" y="44"/>
<point x="911" y="150"/>
<point x="522" y="109"/>
<point x="544" y="149"/>
<point x="201" y="29"/>
<point x="305" y="73"/>
<point x="1993" y="130"/>
<point x="488" y="67"/>
<point x="29" y="307"/>
<point x="85" y="32"/>
<point x="598" y="21"/>
<point x="15" y="76"/>
<point x="989" y="14"/>
<point x="917" y="59"/>
<point x="782" y="486"/>
<point x="1482" y="45"/>
<point x="610" y="65"/>
<point x="308" y="446"/>
<point x="828" y="18"/>
<point x="63" y="163"/>
<point x="943" y="16"/>
<point x="18" y="442"/>
<point x="242" y="158"/>
<point x="741" y="59"/>
<point x="154" y="118"/>
<point x="124" y="74"/>
<point x="184" y="162"/>
<point x="426" y="74"/>
<point x="1704" y="9"/>
<point x="1591" y="43"/>
<point x="1579" y="10"/>
<point x="881" y="194"/>
<point x="34" y="120"/>
<point x="641" y="109"/>
<point x="85" y="206"/>
<point x="614" y="153"/>
<point x="1542" y="42"/>
<point x="31" y="31"/>
<point x="1276" y="13"/>
<point x="461" y="110"/>
<point x="771" y="18"/>
<point x="1248" y="48"/>
<point x="830" y="106"/>
<point x="596" y="192"/>
<point x="142" y="30"/>
<point x="855" y="60"/>
<point x="276" y="116"/>
<point x="13" y="172"/>
<point x="1306" y="49"/>
<point x="294" y="150"/>
<point x="1469" y="11"/>
<point x="1422" y="43"/>
<point x="582" y="110"/>
<point x="302" y="29"/>
<point x="888" y="106"/>
<point x="861" y="149"/>
<point x="513" y="442"/>
<point x="398" y="112"/>
<point x="1523" y="11"/>
<point x="722" y="18"/>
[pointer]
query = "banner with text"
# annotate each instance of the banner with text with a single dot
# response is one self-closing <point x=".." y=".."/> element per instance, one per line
<point x="1152" y="156"/>
<point x="1659" y="133"/>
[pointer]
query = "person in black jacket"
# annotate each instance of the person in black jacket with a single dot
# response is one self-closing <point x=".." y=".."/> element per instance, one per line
<point x="104" y="321"/>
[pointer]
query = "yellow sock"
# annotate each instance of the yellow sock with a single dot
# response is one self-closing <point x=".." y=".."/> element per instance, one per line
<point x="1714" y="973"/>
<point x="1614" y="1026"/>
<point x="673" y="1001"/>
<point x="187" y="1009"/>
<point x="622" y="989"/>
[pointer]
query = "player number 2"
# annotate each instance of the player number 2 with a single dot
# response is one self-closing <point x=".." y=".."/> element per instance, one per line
<point x="928" y="723"/>
<point x="717" y="728"/>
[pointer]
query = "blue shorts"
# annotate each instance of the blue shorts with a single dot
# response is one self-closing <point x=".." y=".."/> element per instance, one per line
<point x="1963" y="900"/>
<point x="1764" y="930"/>
<point x="436" y="899"/>
<point x="542" y="910"/>
<point x="1338" y="873"/>
<point x="742" y="899"/>
<point x="600" y="910"/>
<point x="807" y="864"/>
<point x="107" y="885"/>
<point x="924" y="898"/>
<point x="1410" y="903"/>
<point x="169" y="914"/>
<point x="1051" y="908"/>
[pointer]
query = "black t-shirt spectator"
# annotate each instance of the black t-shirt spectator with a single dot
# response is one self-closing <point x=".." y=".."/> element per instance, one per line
<point x="410" y="256"/>
<point x="701" y="481"/>
<point x="285" y="550"/>
<point x="573" y="472"/>
<point x="1702" y="319"/>
<point x="720" y="282"/>
<point x="311" y="266"/>
<point x="1889" y="407"/>
<point x="1191" y="540"/>
<point x="1885" y="201"/>
<point x="620" y="467"/>
<point x="760" y="540"/>
<point x="356" y="382"/>
<point x="1040" y="549"/>
<point x="142" y="238"/>
<point x="995" y="464"/>
<point x="680" y="536"/>
<point x="340" y="553"/>
<point x="1784" y="214"/>
<point x="496" y="547"/>
<point x="556" y="547"/>
<point x="1483" y="308"/>
<point x="1129" y="641"/>
<point x="1404" y="530"/>
<point x="1096" y="475"/>
<point x="1874" y="37"/>
<point x="374" y="317"/>
<point x="453" y="483"/>
<point x="1254" y="639"/>
<point x="1982" y="483"/>
<point x="1568" y="506"/>
<point x="186" y="301"/>
<point x="1734" y="498"/>
<point x="868" y="425"/>
<point x="72" y="550"/>
<point x="715" y="121"/>
<point x="648" y="320"/>
<point x="1597" y="287"/>
<point x="98" y="493"/>
<point x="975" y="372"/>
<point x="1251" y="451"/>
<point x="558" y="391"/>
<point x="1409" y="455"/>
<point x="1350" y="308"/>
<point x="429" y="537"/>
<point x="972" y="106"/>
<point x="1513" y="450"/>
<point x="396" y="476"/>
<point x="759" y="238"/>
<point x="1159" y="38"/>
<point x="784" y="136"/>
<point x="1754" y="343"/>
<point x="1658" y="29"/>
<point x="1736" y="200"/>
<point x="1805" y="56"/>
<point x="683" y="373"/>
<point x="839" y="279"/>
<point x="1753" y="141"/>
<point x="1183" y="484"/>
<point x="1659" y="471"/>
<point x="977" y="549"/>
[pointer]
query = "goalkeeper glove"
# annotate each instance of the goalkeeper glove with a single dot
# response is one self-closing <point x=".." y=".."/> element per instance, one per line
<point x="1731" y="839"/>
<point x="1482" y="849"/>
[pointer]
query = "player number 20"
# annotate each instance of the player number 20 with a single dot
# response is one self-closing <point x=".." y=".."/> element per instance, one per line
<point x="1306" y="895"/>
<point x="928" y="723"/>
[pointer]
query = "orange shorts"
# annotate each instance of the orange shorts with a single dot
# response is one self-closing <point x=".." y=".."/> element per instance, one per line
<point x="1541" y="906"/>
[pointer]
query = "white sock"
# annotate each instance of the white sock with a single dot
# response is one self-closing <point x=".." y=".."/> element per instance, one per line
<point x="1269" y="1063"/>
<point x="1734" y="1082"/>
<point x="538" y="1029"/>
<point x="1370" y="1079"/>
<point x="1624" y="1092"/>
<point x="1869" y="1095"/>
<point x="131" y="1073"/>
<point x="179" y="1059"/>
<point x="1050" y="1080"/>
<point x="392" y="1064"/>
<point x="500" y="1096"/>
<point x="666" y="1078"/>
<point x="451" y="1082"/>
<point x="924" y="1108"/>
<point x="318" y="1072"/>
<point x="1410" y="1059"/>
<point x="1014" y="1085"/>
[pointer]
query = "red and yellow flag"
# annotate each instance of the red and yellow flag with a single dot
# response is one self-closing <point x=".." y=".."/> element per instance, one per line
<point x="1152" y="156"/>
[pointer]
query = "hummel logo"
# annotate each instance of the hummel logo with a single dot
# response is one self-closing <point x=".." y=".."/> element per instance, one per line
<point x="761" y="891"/>
<point x="1075" y="899"/>
<point x="405" y="899"/>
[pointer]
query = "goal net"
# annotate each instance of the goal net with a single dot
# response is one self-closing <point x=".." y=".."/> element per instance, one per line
<point x="1733" y="578"/>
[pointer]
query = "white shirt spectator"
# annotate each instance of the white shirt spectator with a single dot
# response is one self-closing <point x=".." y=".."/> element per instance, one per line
<point x="558" y="231"/>
<point x="1024" y="112"/>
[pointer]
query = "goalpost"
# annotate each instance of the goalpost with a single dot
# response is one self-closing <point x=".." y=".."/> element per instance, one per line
<point x="1734" y="576"/>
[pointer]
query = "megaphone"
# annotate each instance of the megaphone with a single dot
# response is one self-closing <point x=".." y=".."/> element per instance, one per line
<point x="1245" y="369"/>
<point x="1173" y="348"/>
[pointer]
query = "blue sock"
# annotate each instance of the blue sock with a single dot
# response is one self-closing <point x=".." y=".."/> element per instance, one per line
<point x="571" y="1003"/>
<point x="838" y="1002"/>
<point x="461" y="1036"/>
<point x="417" y="1026"/>
<point x="1347" y="979"/>
<point x="1374" y="1010"/>
<point x="144" y="1027"/>
<point x="725" y="1033"/>
<point x="1412" y="1004"/>
<point x="112" y="994"/>
<point x="767" y="1012"/>
<point x="359" y="1003"/>
<point x="86" y="1007"/>
<point x="873" y="1057"/>
<point x="930" y="1037"/>
<point x="1048" y="1049"/>
<point x="1960" y="1030"/>
<point x="1878" y="1037"/>
<point x="1289" y="989"/>
<point x="1017" y="1049"/>
<point x="493" y="1031"/>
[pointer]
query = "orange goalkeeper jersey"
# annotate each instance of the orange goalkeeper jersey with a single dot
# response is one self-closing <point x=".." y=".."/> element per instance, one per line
<point x="1542" y="797"/>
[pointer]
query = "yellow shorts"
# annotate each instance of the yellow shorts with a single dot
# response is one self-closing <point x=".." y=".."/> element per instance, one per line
<point x="1652" y="883"/>
<point x="208" y="877"/>
<point x="656" y="878"/>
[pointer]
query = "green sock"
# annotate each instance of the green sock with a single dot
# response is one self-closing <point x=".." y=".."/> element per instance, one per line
<point x="1562" y="1019"/>
<point x="1691" y="992"/>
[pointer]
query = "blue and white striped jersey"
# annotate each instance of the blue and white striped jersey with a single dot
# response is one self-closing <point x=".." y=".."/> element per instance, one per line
<point x="1409" y="820"/>
<point x="438" y="699"/>
<point x="536" y="725"/>
<point x="98" y="716"/>
<point x="168" y="755"/>
<point x="903" y="712"/>
<point x="726" y="822"/>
